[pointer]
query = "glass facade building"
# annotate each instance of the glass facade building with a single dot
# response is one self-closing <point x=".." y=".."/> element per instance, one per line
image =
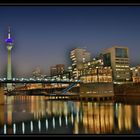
<point x="107" y="59"/>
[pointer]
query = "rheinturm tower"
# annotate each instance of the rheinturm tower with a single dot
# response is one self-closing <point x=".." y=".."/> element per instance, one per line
<point x="9" y="45"/>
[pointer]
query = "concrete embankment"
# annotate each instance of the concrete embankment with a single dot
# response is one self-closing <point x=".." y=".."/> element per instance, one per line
<point x="127" y="93"/>
<point x="129" y="89"/>
<point x="96" y="91"/>
<point x="90" y="88"/>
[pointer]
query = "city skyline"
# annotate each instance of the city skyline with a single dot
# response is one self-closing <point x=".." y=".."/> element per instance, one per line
<point x="45" y="35"/>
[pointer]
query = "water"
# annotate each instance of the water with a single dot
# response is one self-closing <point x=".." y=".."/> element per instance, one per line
<point x="36" y="115"/>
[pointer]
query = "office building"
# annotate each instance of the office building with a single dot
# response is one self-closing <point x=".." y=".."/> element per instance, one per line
<point x="117" y="57"/>
<point x="96" y="74"/>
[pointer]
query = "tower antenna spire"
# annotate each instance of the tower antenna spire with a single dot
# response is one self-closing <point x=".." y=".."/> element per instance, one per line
<point x="9" y="32"/>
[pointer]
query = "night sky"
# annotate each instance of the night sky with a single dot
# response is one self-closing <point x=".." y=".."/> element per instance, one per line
<point x="44" y="35"/>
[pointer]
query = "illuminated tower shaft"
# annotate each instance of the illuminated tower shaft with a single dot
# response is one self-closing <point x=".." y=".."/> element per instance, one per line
<point x="9" y="68"/>
<point x="9" y="44"/>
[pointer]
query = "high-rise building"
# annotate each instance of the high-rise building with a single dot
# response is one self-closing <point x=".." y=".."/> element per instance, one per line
<point x="118" y="58"/>
<point x="79" y="56"/>
<point x="37" y="73"/>
<point x="57" y="70"/>
<point x="53" y="71"/>
<point x="9" y="44"/>
<point x="60" y="69"/>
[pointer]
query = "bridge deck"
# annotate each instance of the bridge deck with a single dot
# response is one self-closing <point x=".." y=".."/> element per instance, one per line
<point x="43" y="81"/>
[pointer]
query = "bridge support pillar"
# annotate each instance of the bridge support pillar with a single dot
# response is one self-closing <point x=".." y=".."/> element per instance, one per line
<point x="9" y="86"/>
<point x="1" y="94"/>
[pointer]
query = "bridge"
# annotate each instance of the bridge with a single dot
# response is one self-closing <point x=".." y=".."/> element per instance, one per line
<point x="39" y="81"/>
<point x="71" y="83"/>
<point x="55" y="93"/>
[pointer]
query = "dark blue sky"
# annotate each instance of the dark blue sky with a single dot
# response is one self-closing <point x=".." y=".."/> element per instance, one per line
<point x="44" y="35"/>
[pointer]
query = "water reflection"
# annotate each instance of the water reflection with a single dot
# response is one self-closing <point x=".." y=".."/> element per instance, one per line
<point x="23" y="127"/>
<point x="1" y="115"/>
<point x="31" y="126"/>
<point x="34" y="114"/>
<point x="138" y="115"/>
<point x="98" y="118"/>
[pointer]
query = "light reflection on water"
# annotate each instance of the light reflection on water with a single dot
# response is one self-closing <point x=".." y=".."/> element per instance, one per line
<point x="34" y="114"/>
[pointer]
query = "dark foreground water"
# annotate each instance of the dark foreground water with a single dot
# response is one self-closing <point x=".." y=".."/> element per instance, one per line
<point x="36" y="115"/>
